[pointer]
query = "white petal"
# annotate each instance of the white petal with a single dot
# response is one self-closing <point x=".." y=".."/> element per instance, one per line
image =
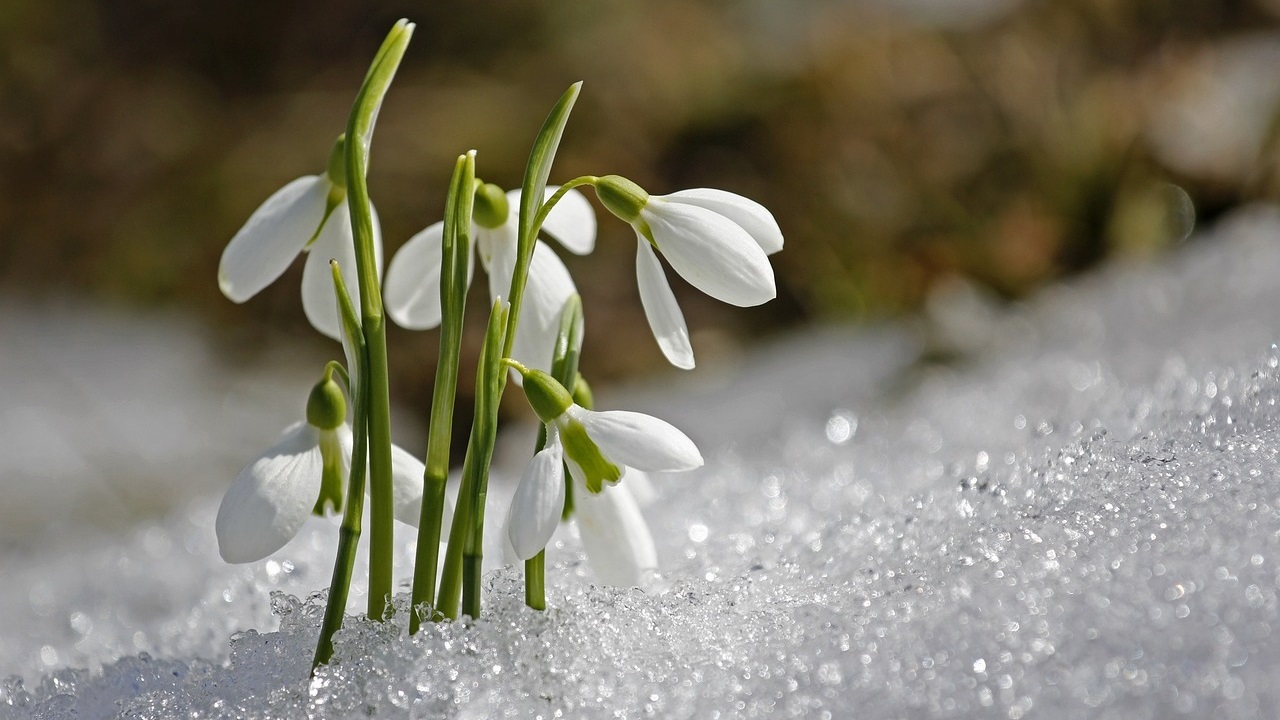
<point x="641" y="486"/>
<point x="272" y="237"/>
<point x="548" y="289"/>
<point x="271" y="499"/>
<point x="572" y="222"/>
<point x="497" y="250"/>
<point x="747" y="213"/>
<point x="335" y="242"/>
<point x="538" y="503"/>
<point x="638" y="440"/>
<point x="617" y="540"/>
<point x="660" y="307"/>
<point x="412" y="290"/>
<point x="711" y="252"/>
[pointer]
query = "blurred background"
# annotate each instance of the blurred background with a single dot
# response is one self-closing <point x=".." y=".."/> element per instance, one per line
<point x="904" y="145"/>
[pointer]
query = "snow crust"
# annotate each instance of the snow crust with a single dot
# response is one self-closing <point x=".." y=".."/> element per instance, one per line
<point x="1077" y="517"/>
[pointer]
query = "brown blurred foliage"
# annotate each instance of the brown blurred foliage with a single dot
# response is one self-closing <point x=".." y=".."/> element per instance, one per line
<point x="899" y="142"/>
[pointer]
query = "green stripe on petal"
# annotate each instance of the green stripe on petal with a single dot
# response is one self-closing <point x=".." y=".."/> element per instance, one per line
<point x="639" y="440"/>
<point x="579" y="447"/>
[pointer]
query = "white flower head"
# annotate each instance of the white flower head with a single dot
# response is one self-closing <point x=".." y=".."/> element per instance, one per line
<point x="412" y="290"/>
<point x="311" y="215"/>
<point x="304" y="473"/>
<point x="598" y="448"/>
<point x="718" y="241"/>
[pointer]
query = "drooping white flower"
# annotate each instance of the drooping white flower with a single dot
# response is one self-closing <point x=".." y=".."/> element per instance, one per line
<point x="598" y="448"/>
<point x="304" y="473"/>
<point x="311" y="215"/>
<point x="271" y="499"/>
<point x="412" y="289"/>
<point x="718" y="241"/>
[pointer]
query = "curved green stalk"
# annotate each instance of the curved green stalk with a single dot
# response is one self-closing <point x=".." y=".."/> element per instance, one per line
<point x="364" y="114"/>
<point x="456" y="254"/>
<point x="560" y="192"/>
<point x="349" y="534"/>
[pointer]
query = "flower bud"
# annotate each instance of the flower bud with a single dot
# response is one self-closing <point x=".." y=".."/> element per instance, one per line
<point x="327" y="406"/>
<point x="547" y="397"/>
<point x="621" y="197"/>
<point x="491" y="207"/>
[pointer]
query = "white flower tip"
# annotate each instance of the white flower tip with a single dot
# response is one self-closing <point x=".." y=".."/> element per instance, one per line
<point x="228" y="288"/>
<point x="239" y="544"/>
<point x="681" y="356"/>
<point x="687" y="454"/>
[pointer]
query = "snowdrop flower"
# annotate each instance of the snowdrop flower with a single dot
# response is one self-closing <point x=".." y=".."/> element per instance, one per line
<point x="598" y="447"/>
<point x="304" y="473"/>
<point x="309" y="215"/>
<point x="718" y="241"/>
<point x="412" y="290"/>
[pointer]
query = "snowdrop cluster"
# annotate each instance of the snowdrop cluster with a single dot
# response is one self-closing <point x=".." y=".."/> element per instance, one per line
<point x="591" y="466"/>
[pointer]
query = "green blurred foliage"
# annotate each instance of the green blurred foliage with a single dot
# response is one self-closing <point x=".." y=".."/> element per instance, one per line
<point x="899" y="143"/>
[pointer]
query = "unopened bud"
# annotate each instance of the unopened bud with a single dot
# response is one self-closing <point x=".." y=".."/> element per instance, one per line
<point x="621" y="197"/>
<point x="327" y="406"/>
<point x="491" y="207"/>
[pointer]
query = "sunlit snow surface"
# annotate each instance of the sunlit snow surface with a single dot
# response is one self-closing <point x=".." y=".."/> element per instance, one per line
<point x="1080" y="519"/>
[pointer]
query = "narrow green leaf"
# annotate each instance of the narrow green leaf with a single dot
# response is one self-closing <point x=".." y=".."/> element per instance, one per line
<point x="543" y="155"/>
<point x="532" y="193"/>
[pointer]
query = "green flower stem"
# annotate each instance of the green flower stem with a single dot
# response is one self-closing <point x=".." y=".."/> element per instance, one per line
<point x="349" y="533"/>
<point x="456" y="253"/>
<point x="450" y="594"/>
<point x="535" y="581"/>
<point x="333" y="367"/>
<point x="359" y="135"/>
<point x="560" y="192"/>
<point x="492" y="377"/>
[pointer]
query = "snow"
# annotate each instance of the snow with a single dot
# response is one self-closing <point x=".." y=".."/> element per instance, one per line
<point x="1079" y="517"/>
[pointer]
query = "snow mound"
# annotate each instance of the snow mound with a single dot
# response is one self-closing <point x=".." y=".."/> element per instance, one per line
<point x="1081" y="520"/>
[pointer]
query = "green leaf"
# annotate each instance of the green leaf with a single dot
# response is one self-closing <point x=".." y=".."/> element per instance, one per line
<point x="532" y="191"/>
<point x="542" y="156"/>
